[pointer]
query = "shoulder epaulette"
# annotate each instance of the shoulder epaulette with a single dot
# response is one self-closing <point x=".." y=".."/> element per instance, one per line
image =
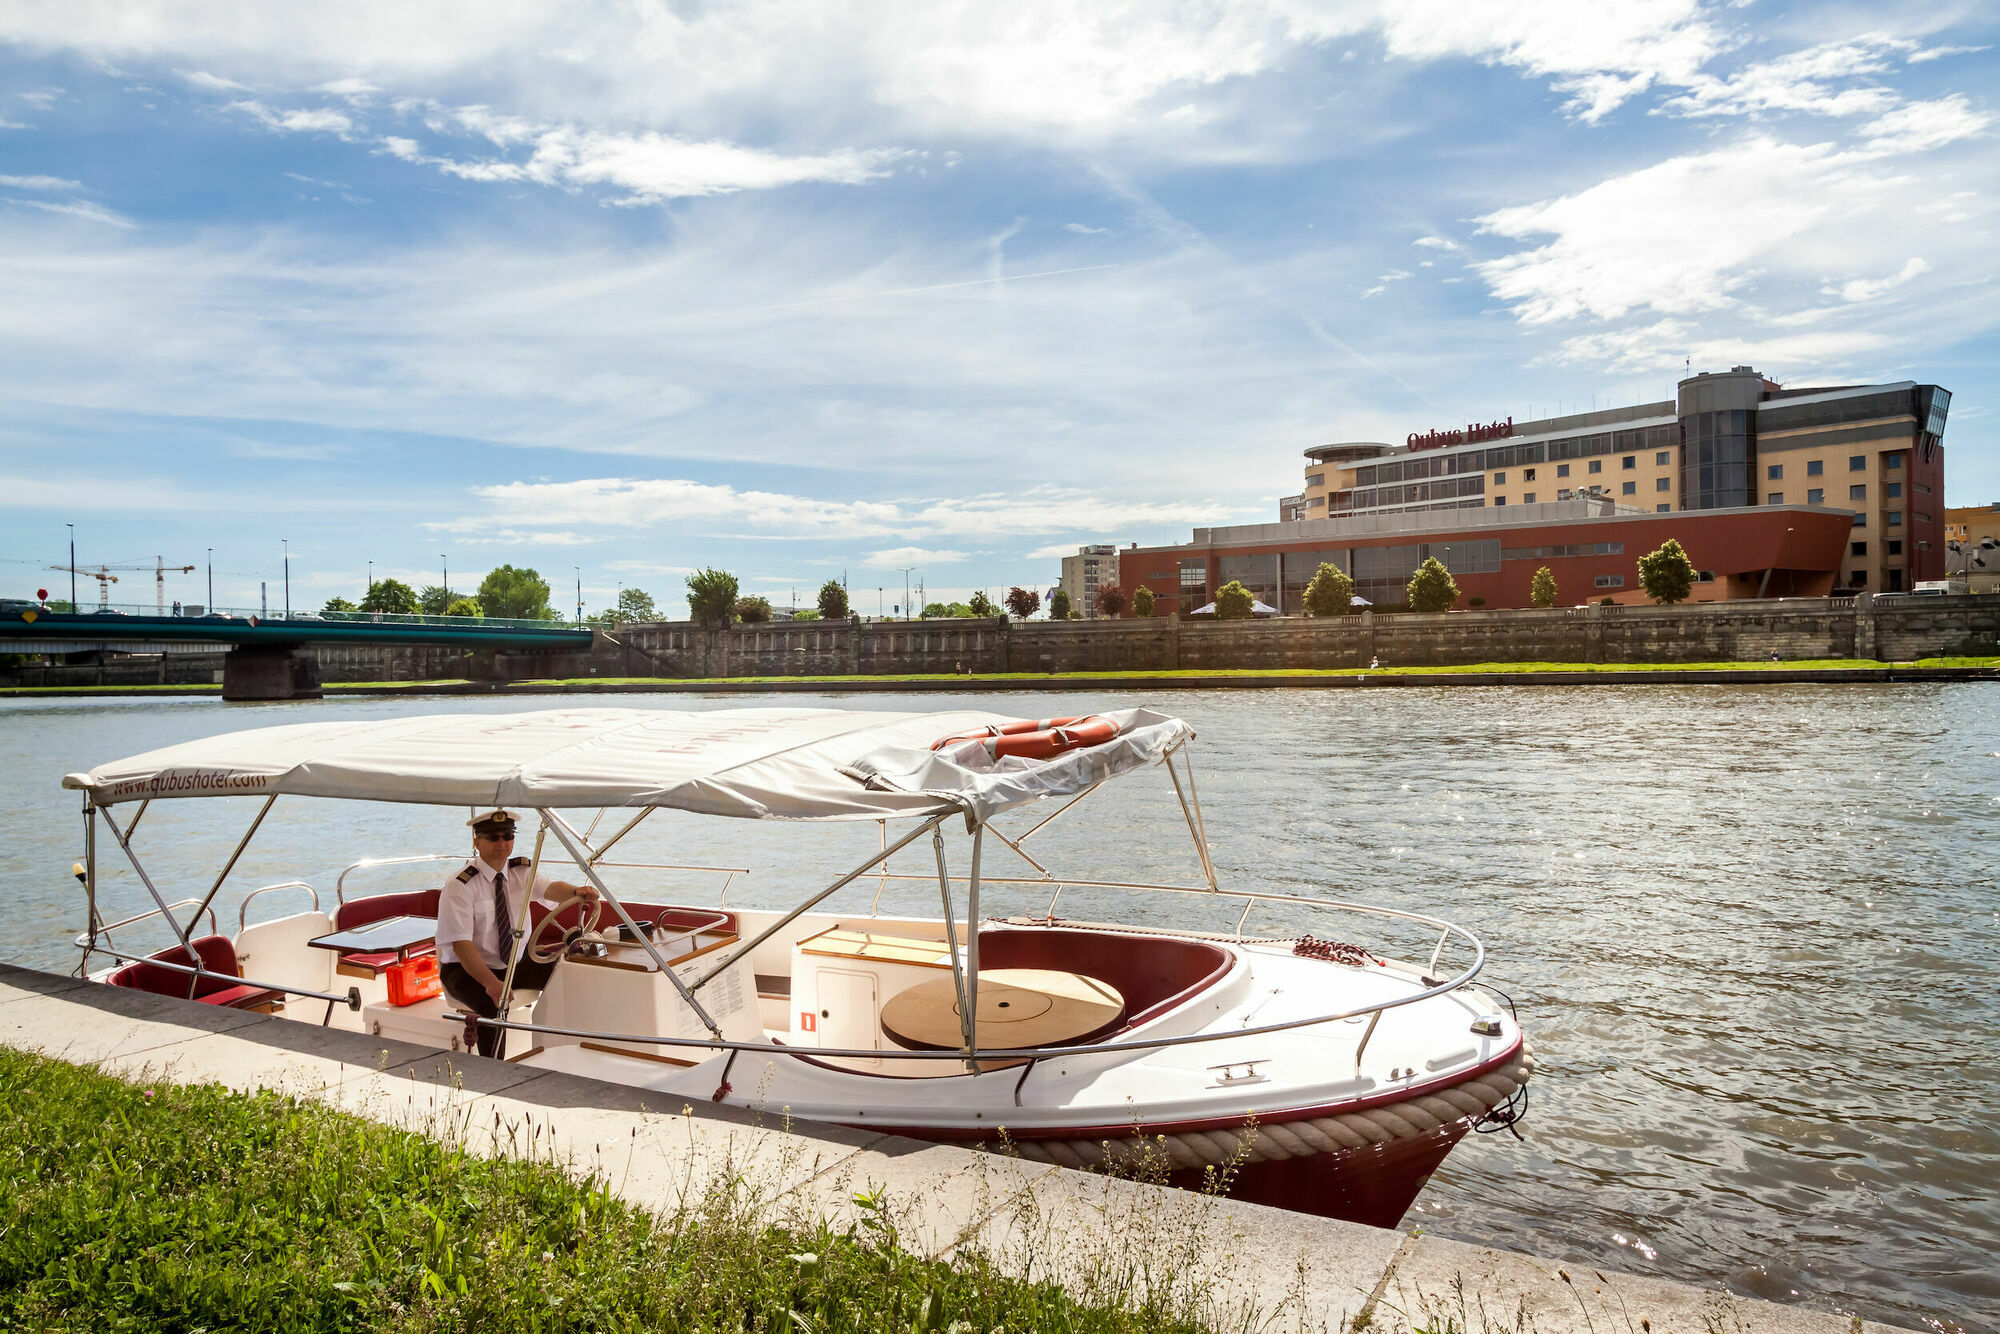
<point x="466" y="874"/>
<point x="517" y="861"/>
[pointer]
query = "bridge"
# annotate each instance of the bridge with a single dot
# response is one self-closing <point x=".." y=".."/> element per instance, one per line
<point x="269" y="655"/>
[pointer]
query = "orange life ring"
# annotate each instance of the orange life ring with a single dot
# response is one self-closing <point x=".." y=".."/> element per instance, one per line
<point x="1040" y="740"/>
<point x="1009" y="729"/>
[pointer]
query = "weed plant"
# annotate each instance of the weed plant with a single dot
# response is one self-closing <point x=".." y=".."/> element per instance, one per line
<point x="154" y="1206"/>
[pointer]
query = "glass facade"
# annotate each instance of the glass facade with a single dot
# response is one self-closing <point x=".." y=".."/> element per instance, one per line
<point x="1299" y="568"/>
<point x="1382" y="574"/>
<point x="1716" y="468"/>
<point x="1258" y="573"/>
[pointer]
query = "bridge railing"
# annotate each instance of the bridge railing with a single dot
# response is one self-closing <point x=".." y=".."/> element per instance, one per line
<point x="195" y="612"/>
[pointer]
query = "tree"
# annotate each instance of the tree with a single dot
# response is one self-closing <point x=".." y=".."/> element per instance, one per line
<point x="1022" y="602"/>
<point x="434" y="598"/>
<point x="1667" y="574"/>
<point x="1331" y="592"/>
<point x="806" y="615"/>
<point x="462" y="606"/>
<point x="832" y="601"/>
<point x="1111" y="600"/>
<point x="1431" y="588"/>
<point x="1542" y="592"/>
<point x="336" y="607"/>
<point x="1142" y="601"/>
<point x="1232" y="602"/>
<point x="635" y="606"/>
<point x="711" y="597"/>
<point x="753" y="610"/>
<point x="981" y="605"/>
<point x="935" y="611"/>
<point x="521" y="595"/>
<point x="1059" y="605"/>
<point x="390" y="597"/>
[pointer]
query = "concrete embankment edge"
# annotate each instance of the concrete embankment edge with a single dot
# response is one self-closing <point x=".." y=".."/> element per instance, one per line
<point x="961" y="685"/>
<point x="1041" y="1222"/>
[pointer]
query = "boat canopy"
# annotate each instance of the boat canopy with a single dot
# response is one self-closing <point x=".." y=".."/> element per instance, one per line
<point x="773" y="763"/>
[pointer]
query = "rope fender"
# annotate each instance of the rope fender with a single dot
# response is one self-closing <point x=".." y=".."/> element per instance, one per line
<point x="1270" y="1141"/>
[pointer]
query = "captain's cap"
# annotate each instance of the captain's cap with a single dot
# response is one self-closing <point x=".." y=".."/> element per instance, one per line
<point x="492" y="822"/>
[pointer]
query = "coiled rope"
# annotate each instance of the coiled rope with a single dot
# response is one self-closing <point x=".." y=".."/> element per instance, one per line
<point x="1268" y="1141"/>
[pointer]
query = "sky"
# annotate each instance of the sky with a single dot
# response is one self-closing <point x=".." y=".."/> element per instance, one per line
<point x="843" y="290"/>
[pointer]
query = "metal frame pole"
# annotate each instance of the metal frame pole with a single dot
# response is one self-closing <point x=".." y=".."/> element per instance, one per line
<point x="89" y="883"/>
<point x="230" y="865"/>
<point x="951" y="940"/>
<point x="972" y="954"/>
<point x="1200" y="845"/>
<point x="598" y="855"/>
<point x="514" y="945"/>
<point x="125" y="844"/>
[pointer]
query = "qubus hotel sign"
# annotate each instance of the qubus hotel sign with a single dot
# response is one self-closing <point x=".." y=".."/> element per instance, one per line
<point x="1471" y="435"/>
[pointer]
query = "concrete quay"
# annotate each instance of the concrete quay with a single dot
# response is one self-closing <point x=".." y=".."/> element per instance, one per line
<point x="1266" y="1269"/>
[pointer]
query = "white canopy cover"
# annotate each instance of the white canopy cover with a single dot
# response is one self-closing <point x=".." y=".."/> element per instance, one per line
<point x="786" y="764"/>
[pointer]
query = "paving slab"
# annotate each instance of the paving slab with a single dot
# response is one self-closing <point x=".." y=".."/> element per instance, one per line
<point x="95" y="1023"/>
<point x="1229" y="1263"/>
<point x="1484" y="1290"/>
<point x="18" y="983"/>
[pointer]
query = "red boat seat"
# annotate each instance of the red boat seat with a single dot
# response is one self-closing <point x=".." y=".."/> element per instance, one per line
<point x="379" y="908"/>
<point x="215" y="954"/>
<point x="1152" y="974"/>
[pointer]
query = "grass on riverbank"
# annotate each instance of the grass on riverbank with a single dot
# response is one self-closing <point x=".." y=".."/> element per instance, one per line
<point x="156" y="1206"/>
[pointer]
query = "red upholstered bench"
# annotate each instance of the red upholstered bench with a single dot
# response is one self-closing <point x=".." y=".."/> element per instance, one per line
<point x="380" y="908"/>
<point x="215" y="954"/>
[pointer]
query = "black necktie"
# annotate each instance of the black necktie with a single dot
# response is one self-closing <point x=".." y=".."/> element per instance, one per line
<point x="503" y="918"/>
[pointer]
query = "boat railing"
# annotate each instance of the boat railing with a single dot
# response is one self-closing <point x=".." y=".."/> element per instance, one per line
<point x="729" y="873"/>
<point x="1430" y="987"/>
<point x="351" y="998"/>
<point x="243" y="913"/>
<point x="104" y="930"/>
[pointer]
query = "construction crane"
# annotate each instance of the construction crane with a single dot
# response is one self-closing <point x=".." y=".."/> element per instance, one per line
<point x="102" y="574"/>
<point x="159" y="569"/>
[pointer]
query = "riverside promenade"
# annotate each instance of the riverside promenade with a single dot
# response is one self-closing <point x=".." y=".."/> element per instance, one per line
<point x="1267" y="1269"/>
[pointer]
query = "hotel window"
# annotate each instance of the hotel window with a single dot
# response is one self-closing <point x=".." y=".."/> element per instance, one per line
<point x="1893" y="490"/>
<point x="1528" y="475"/>
<point x="1497" y="500"/>
<point x="1499" y="479"/>
<point x="1861" y="521"/>
<point x="1814" y="467"/>
<point x="1858" y="492"/>
<point x="1629" y="462"/>
<point x="1562" y="470"/>
<point x="1895" y="518"/>
<point x="1663" y="509"/>
<point x="1607" y="581"/>
<point x="1859" y="579"/>
<point x="1892" y="461"/>
<point x="1663" y="483"/>
<point x="1663" y="458"/>
<point x="1857" y="462"/>
<point x="1860" y="548"/>
<point x="1527" y="499"/>
<point x="1895" y="546"/>
<point x="1815" y="496"/>
<point x="1597" y="465"/>
<point x="1629" y="489"/>
<point x="1770" y="498"/>
<point x="1775" y="473"/>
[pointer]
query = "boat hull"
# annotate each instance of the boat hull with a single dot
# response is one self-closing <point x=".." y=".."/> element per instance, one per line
<point x="1375" y="1184"/>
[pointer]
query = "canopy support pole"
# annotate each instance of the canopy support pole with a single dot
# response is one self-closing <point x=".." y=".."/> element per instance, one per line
<point x="744" y="951"/>
<point x="1194" y="796"/>
<point x="882" y="880"/>
<point x="951" y="939"/>
<point x="564" y="834"/>
<point x="125" y="844"/>
<point x="89" y="883"/>
<point x="1200" y="846"/>
<point x="514" y="945"/>
<point x="1058" y="813"/>
<point x="1018" y="850"/>
<point x="972" y="954"/>
<point x="598" y="855"/>
<point x="230" y="865"/>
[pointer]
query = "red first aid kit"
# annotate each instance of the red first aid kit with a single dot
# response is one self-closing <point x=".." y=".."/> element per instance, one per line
<point x="414" y="980"/>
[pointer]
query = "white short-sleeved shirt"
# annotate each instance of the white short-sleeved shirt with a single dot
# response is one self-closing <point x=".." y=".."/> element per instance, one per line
<point x="465" y="908"/>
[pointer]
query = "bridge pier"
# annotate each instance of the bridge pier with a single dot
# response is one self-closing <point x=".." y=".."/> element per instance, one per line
<point x="270" y="671"/>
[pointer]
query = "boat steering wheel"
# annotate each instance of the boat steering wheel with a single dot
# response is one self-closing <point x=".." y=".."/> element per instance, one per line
<point x="563" y="927"/>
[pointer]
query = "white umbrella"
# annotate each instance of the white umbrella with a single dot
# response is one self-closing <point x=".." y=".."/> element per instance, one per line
<point x="1256" y="609"/>
<point x="1359" y="602"/>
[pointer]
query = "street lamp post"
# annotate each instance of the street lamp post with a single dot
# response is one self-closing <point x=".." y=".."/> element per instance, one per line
<point x="211" y="580"/>
<point x="906" y="590"/>
<point x="579" y="593"/>
<point x="1970" y="557"/>
<point x="72" y="568"/>
<point x="288" y="577"/>
<point x="447" y="578"/>
<point x="371" y="574"/>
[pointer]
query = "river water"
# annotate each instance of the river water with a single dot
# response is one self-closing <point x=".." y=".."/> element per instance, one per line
<point x="1753" y="931"/>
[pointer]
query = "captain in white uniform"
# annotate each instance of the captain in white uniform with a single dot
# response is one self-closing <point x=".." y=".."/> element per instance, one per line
<point x="479" y="910"/>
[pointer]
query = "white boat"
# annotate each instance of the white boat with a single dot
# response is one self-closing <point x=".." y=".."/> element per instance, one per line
<point x="1329" y="1076"/>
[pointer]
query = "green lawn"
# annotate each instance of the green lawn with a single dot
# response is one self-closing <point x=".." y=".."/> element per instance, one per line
<point x="151" y="1206"/>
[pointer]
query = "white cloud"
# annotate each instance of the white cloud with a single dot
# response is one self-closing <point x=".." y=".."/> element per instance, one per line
<point x="1393" y="276"/>
<point x="213" y="83"/>
<point x="1374" y="291"/>
<point x="1940" y="52"/>
<point x="1667" y="344"/>
<point x="80" y="209"/>
<point x="52" y="183"/>
<point x="1437" y="243"/>
<point x="1920" y="126"/>
<point x="317" y="120"/>
<point x="1082" y="230"/>
<point x="1867" y="289"/>
<point x="896" y="558"/>
<point x="1809" y="81"/>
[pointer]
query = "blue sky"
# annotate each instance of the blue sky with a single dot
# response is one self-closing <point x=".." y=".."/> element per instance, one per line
<point x="800" y="290"/>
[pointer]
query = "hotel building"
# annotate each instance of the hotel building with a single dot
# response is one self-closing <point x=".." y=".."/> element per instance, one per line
<point x="1082" y="573"/>
<point x="1773" y="492"/>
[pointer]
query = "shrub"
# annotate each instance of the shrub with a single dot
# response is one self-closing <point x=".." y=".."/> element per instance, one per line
<point x="981" y="605"/>
<point x="807" y="615"/>
<point x="1059" y="605"/>
<point x="1542" y="592"/>
<point x="1431" y="588"/>
<point x="1142" y="601"/>
<point x="1475" y="602"/>
<point x="832" y="601"/>
<point x="1111" y="600"/>
<point x="434" y="598"/>
<point x="1232" y="602"/>
<point x="335" y="606"/>
<point x="1667" y="574"/>
<point x="1022" y="602"/>
<point x="464" y="607"/>
<point x="753" y="610"/>
<point x="1607" y="602"/>
<point x="711" y="597"/>
<point x="1331" y="592"/>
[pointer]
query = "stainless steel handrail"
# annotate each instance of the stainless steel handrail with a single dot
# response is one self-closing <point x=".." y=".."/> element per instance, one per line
<point x="83" y="937"/>
<point x="370" y="863"/>
<point x="352" y="998"/>
<point x="243" y="913"/>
